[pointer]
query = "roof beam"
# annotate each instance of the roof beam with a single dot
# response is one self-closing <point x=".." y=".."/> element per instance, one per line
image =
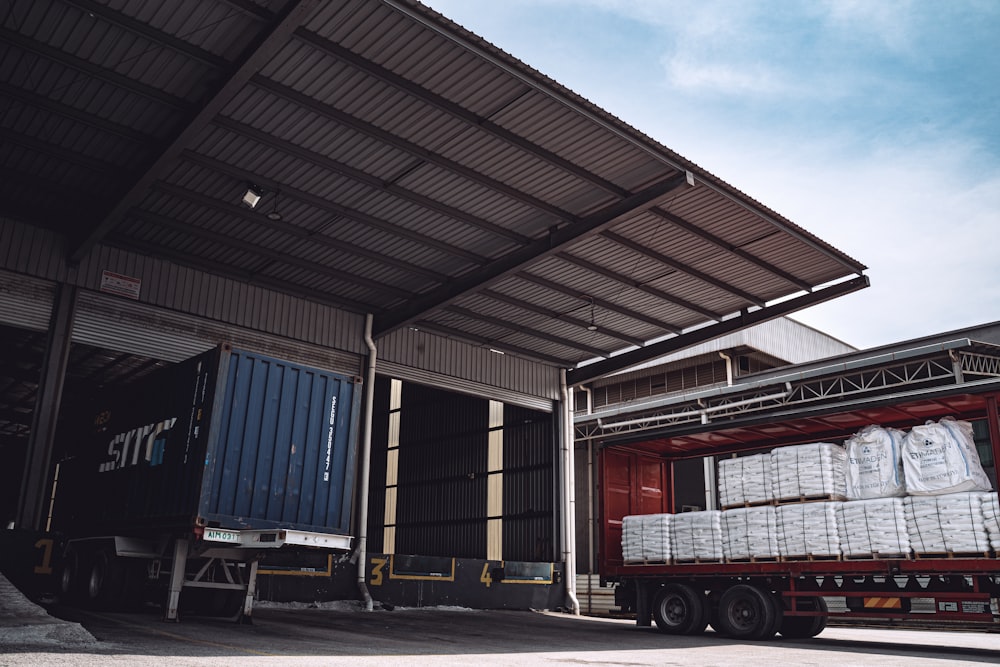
<point x="429" y="156"/>
<point x="333" y="208"/>
<point x="458" y="111"/>
<point x="635" y="284"/>
<point x="522" y="257"/>
<point x="146" y="30"/>
<point x="519" y="329"/>
<point x="728" y="247"/>
<point x="297" y="232"/>
<point x="230" y="241"/>
<point x="243" y="276"/>
<point x="371" y="181"/>
<point x="626" y="360"/>
<point x="257" y="54"/>
<point x="486" y="342"/>
<point x="90" y="69"/>
<point x="48" y="104"/>
<point x="565" y="317"/>
<point x="684" y="268"/>
<point x="602" y="303"/>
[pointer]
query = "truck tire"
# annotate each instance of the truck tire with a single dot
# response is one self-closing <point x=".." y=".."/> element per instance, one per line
<point x="746" y="612"/>
<point x="803" y="627"/>
<point x="105" y="584"/>
<point x="679" y="609"/>
<point x="70" y="584"/>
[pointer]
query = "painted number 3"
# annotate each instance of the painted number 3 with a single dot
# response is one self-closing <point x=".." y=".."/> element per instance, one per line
<point x="377" y="565"/>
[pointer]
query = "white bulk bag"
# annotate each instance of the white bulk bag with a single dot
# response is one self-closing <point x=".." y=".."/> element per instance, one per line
<point x="745" y="480"/>
<point x="808" y="471"/>
<point x="874" y="527"/>
<point x="808" y="529"/>
<point x="749" y="532"/>
<point x="940" y="458"/>
<point x="874" y="463"/>
<point x="951" y="523"/>
<point x="697" y="535"/>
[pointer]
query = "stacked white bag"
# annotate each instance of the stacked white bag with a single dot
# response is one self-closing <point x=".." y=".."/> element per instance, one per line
<point x="808" y="529"/>
<point x="749" y="533"/>
<point x="991" y="518"/>
<point x="873" y="528"/>
<point x="697" y="535"/>
<point x="941" y="458"/>
<point x="874" y="467"/>
<point x="808" y="471"/>
<point x="646" y="537"/>
<point x="951" y="523"/>
<point x="745" y="480"/>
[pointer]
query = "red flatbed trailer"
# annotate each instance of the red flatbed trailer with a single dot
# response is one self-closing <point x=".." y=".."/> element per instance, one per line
<point x="757" y="598"/>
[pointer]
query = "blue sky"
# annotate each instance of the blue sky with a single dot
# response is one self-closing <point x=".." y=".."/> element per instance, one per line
<point x="874" y="124"/>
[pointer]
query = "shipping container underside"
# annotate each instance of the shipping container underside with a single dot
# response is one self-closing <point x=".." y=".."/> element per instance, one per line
<point x="755" y="598"/>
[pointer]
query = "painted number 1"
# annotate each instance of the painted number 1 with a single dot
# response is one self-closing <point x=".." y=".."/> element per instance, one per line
<point x="46" y="566"/>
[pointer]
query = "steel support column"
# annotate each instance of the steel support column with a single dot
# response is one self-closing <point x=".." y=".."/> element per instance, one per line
<point x="31" y="512"/>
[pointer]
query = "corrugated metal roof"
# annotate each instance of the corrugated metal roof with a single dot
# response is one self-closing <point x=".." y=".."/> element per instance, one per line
<point x="419" y="173"/>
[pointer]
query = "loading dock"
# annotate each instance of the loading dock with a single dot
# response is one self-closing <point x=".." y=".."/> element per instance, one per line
<point x="417" y="206"/>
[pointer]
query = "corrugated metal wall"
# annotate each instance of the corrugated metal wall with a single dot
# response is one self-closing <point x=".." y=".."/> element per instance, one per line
<point x="432" y="490"/>
<point x="259" y="318"/>
<point x="529" y="485"/>
<point x="25" y="302"/>
<point x="442" y="489"/>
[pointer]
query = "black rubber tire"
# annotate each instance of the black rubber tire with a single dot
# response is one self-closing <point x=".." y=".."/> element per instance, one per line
<point x="104" y="586"/>
<point x="70" y="583"/>
<point x="804" y="627"/>
<point x="679" y="609"/>
<point x="745" y="612"/>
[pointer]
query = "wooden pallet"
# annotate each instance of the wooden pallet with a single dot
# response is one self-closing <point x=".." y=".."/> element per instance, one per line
<point x="878" y="556"/>
<point x="647" y="562"/>
<point x="951" y="554"/>
<point x="829" y="497"/>
<point x="812" y="558"/>
<point x="697" y="561"/>
<point x="754" y="559"/>
<point x="745" y="505"/>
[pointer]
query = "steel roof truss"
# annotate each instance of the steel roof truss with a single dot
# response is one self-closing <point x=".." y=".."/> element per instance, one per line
<point x="522" y="257"/>
<point x="456" y="110"/>
<point x="261" y="49"/>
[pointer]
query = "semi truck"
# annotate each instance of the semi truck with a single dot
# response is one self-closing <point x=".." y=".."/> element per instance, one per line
<point x="178" y="484"/>
<point x="755" y="598"/>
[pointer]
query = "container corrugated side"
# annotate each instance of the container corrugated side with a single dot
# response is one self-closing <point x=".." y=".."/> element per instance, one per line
<point x="283" y="447"/>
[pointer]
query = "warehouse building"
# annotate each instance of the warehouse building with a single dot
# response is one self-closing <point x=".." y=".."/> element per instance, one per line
<point x="367" y="188"/>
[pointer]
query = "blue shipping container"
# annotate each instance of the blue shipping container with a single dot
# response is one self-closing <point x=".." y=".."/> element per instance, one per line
<point x="229" y="438"/>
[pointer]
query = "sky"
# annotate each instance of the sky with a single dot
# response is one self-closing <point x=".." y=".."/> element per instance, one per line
<point x="873" y="124"/>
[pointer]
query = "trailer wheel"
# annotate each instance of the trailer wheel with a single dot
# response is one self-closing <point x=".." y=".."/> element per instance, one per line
<point x="746" y="612"/>
<point x="69" y="576"/>
<point x="803" y="627"/>
<point x="104" y="587"/>
<point x="679" y="609"/>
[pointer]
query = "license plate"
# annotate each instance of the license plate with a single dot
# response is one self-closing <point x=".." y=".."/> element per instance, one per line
<point x="216" y="535"/>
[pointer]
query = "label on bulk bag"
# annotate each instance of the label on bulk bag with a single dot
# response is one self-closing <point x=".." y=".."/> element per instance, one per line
<point x="874" y="464"/>
<point x="941" y="458"/>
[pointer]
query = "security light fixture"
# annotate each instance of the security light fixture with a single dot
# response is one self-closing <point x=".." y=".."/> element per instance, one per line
<point x="252" y="196"/>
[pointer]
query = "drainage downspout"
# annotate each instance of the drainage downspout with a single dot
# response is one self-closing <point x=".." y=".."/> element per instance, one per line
<point x="569" y="496"/>
<point x="590" y="506"/>
<point x="366" y="446"/>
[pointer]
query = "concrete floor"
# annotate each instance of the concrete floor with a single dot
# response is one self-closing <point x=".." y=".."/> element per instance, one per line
<point x="340" y="634"/>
